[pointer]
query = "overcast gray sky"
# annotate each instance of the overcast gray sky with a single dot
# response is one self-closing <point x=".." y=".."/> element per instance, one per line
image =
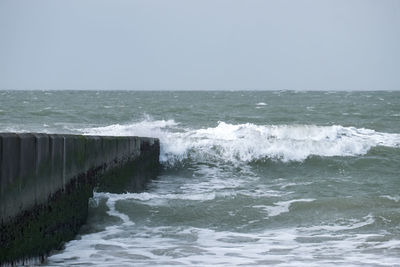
<point x="204" y="44"/>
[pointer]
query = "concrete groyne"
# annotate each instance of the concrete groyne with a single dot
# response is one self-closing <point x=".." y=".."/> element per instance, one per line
<point x="46" y="181"/>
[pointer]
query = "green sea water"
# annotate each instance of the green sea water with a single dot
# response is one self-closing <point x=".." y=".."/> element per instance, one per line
<point x="278" y="178"/>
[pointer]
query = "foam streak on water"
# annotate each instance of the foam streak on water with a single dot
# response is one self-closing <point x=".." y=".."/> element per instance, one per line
<point x="147" y="245"/>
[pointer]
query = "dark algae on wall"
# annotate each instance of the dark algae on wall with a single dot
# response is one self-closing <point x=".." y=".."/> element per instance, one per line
<point x="47" y="180"/>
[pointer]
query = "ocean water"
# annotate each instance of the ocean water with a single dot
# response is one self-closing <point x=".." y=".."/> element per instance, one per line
<point x="278" y="178"/>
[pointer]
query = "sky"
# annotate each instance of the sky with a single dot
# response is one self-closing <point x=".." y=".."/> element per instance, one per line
<point x="200" y="44"/>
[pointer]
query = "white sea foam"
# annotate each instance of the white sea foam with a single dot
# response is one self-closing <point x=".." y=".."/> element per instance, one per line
<point x="238" y="143"/>
<point x="394" y="198"/>
<point x="280" y="207"/>
<point x="155" y="199"/>
<point x="167" y="246"/>
<point x="152" y="244"/>
<point x="344" y="225"/>
<point x="147" y="127"/>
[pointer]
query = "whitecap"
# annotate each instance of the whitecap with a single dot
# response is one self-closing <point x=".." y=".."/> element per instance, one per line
<point x="394" y="198"/>
<point x="242" y="143"/>
<point x="344" y="225"/>
<point x="280" y="207"/>
<point x="147" y="127"/>
<point x="249" y="142"/>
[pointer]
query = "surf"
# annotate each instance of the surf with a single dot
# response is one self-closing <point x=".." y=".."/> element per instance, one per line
<point x="249" y="142"/>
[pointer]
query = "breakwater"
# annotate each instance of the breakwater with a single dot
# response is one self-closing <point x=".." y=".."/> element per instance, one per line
<point x="47" y="179"/>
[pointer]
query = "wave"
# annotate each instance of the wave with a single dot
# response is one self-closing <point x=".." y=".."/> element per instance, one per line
<point x="243" y="143"/>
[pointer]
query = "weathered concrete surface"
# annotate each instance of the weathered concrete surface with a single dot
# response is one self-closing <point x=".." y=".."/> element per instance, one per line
<point x="47" y="179"/>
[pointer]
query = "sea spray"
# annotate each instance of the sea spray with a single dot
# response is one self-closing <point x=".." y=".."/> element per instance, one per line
<point x="241" y="143"/>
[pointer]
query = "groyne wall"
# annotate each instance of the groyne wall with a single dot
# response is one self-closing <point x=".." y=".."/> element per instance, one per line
<point x="47" y="179"/>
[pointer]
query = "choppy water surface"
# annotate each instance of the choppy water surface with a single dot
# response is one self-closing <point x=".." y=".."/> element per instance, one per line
<point x="268" y="178"/>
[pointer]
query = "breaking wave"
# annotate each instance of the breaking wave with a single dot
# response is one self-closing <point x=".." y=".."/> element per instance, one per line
<point x="238" y="143"/>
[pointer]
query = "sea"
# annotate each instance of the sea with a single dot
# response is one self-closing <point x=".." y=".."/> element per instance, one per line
<point x="267" y="178"/>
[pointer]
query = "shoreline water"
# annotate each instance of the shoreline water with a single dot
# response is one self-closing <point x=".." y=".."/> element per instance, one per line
<point x="303" y="179"/>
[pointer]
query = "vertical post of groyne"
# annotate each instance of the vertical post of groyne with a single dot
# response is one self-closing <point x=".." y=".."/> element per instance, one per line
<point x="46" y="181"/>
